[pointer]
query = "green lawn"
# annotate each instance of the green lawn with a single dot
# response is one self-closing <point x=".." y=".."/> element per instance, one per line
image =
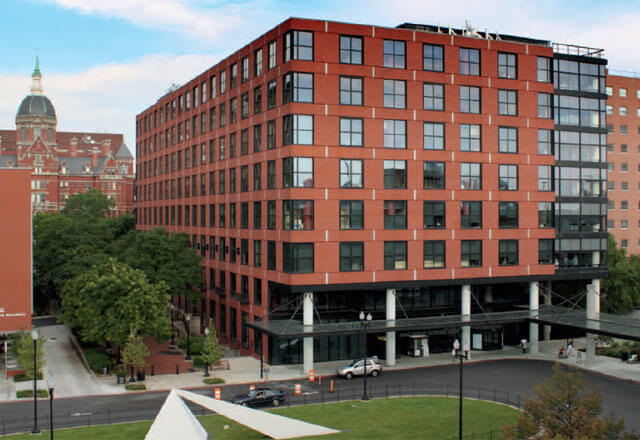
<point x="399" y="418"/>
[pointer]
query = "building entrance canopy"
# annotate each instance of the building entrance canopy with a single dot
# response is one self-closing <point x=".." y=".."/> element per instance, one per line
<point x="608" y="325"/>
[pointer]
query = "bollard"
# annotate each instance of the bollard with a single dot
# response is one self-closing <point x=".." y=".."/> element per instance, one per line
<point x="177" y="369"/>
<point x="311" y="375"/>
<point x="217" y="394"/>
<point x="331" y="386"/>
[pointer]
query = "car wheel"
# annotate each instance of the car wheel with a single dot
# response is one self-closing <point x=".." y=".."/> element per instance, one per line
<point x="374" y="373"/>
<point x="348" y="376"/>
<point x="276" y="402"/>
<point x="245" y="404"/>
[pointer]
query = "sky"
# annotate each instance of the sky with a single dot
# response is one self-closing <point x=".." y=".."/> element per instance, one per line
<point x="104" y="61"/>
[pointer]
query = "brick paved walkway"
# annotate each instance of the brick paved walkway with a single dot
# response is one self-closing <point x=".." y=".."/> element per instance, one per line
<point x="164" y="359"/>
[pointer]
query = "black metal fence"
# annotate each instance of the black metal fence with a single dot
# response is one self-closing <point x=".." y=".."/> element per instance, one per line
<point x="310" y="394"/>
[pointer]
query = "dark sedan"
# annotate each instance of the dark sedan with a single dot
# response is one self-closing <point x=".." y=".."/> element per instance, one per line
<point x="260" y="397"/>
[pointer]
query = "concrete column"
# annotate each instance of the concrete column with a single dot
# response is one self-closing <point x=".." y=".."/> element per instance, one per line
<point x="390" y="315"/>
<point x="307" y="321"/>
<point x="465" y="310"/>
<point x="593" y="315"/>
<point x="547" y="301"/>
<point x="534" y="307"/>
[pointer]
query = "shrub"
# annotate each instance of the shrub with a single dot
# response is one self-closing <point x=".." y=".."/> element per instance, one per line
<point x="213" y="380"/>
<point x="29" y="393"/>
<point x="97" y="358"/>
<point x="135" y="387"/>
<point x="198" y="362"/>
<point x="197" y="343"/>
<point x="24" y="378"/>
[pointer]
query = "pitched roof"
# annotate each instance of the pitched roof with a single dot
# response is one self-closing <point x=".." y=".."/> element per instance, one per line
<point x="124" y="153"/>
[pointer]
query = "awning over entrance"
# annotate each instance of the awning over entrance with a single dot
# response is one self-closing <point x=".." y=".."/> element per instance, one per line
<point x="292" y="329"/>
<point x="608" y="324"/>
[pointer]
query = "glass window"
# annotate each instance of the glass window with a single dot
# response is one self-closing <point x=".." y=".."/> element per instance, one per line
<point x="622" y="92"/>
<point x="271" y="255"/>
<point x="469" y="61"/>
<point x="508" y="250"/>
<point x="545" y="251"/>
<point x="545" y="141"/>
<point x="271" y="94"/>
<point x="544" y="106"/>
<point x="434" y="254"/>
<point x="245" y="69"/>
<point x="232" y="217"/>
<point x="297" y="172"/>
<point x="351" y="173"/>
<point x="395" y="174"/>
<point x="233" y="76"/>
<point x="507" y="65"/>
<point x="623" y="111"/>
<point x="433" y="138"/>
<point x="544" y="69"/>
<point x="272" y="54"/>
<point x="545" y="182"/>
<point x="433" y="96"/>
<point x="395" y="255"/>
<point x="350" y="50"/>
<point x="257" y="138"/>
<point x="433" y="215"/>
<point x="232" y="180"/>
<point x="469" y="99"/>
<point x="395" y="134"/>
<point x="351" y="214"/>
<point x="257" y="260"/>
<point x="297" y="257"/>
<point x="351" y="256"/>
<point x="271" y="135"/>
<point x="271" y="174"/>
<point x="298" y="45"/>
<point x="471" y="215"/>
<point x="433" y="57"/>
<point x="297" y="215"/>
<point x="257" y="176"/>
<point x="508" y="102"/>
<point x="271" y="214"/>
<point x="223" y="115"/>
<point x="434" y="175"/>
<point x="471" y="253"/>
<point x="508" y="214"/>
<point x="351" y="90"/>
<point x="244" y="256"/>
<point x="470" y="176"/>
<point x="545" y="214"/>
<point x="470" y="138"/>
<point x="297" y="129"/>
<point x="395" y="214"/>
<point x="257" y="215"/>
<point x="257" y="62"/>
<point x="508" y="139"/>
<point x="351" y="130"/>
<point x="244" y="178"/>
<point x="395" y="94"/>
<point x="508" y="177"/>
<point x="297" y="87"/>
<point x="394" y="54"/>
<point x="222" y="215"/>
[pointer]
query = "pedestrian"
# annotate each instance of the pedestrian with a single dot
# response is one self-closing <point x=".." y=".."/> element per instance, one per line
<point x="523" y="343"/>
<point x="266" y="373"/>
<point x="456" y="347"/>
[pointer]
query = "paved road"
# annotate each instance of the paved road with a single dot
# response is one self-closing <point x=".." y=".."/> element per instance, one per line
<point x="517" y="377"/>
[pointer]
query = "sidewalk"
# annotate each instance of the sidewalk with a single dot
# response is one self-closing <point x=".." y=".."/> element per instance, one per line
<point x="73" y="380"/>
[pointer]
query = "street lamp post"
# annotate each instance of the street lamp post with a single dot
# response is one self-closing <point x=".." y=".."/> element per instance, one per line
<point x="187" y="317"/>
<point x="34" y="336"/>
<point x="206" y="365"/>
<point x="51" y="385"/>
<point x="462" y="357"/>
<point x="365" y="322"/>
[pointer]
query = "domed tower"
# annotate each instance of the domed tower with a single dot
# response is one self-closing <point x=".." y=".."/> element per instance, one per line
<point x="36" y="117"/>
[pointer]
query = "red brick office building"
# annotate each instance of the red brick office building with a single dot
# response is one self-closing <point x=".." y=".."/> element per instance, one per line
<point x="15" y="260"/>
<point x="623" y="156"/>
<point x="65" y="163"/>
<point x="327" y="168"/>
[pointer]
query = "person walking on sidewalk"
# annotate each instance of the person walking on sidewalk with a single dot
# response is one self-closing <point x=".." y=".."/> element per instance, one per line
<point x="456" y="347"/>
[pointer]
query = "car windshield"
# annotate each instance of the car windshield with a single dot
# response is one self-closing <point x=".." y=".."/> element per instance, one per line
<point x="352" y="363"/>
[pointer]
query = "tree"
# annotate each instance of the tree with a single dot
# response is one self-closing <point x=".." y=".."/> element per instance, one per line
<point x="163" y="257"/>
<point x="23" y="350"/>
<point x="111" y="301"/>
<point x="92" y="203"/>
<point x="564" y="409"/>
<point x="621" y="289"/>
<point x="211" y="350"/>
<point x="135" y="352"/>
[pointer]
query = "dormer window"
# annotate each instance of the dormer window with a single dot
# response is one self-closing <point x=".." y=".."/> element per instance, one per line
<point x="36" y="132"/>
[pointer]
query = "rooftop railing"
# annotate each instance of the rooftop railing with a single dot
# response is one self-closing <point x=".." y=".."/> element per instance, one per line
<point x="582" y="51"/>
